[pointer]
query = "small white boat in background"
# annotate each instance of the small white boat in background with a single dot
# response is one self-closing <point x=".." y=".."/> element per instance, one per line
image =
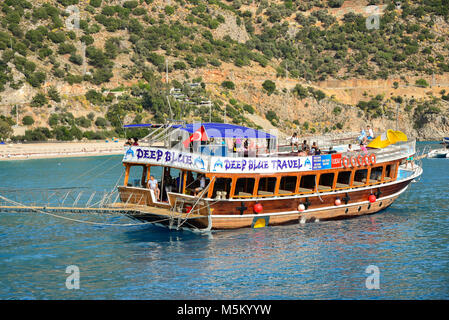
<point x="441" y="152"/>
<point x="438" y="153"/>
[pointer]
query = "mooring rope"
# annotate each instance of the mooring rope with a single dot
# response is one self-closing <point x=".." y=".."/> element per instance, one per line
<point x="81" y="221"/>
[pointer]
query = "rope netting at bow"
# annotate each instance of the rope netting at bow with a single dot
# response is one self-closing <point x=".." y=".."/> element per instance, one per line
<point x="84" y="206"/>
<point x="59" y="202"/>
<point x="76" y="197"/>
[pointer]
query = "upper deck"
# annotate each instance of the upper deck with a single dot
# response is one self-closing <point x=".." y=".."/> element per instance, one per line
<point x="215" y="159"/>
<point x="228" y="148"/>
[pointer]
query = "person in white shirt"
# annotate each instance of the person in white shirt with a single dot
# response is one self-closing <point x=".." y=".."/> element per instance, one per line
<point x="153" y="185"/>
<point x="202" y="185"/>
<point x="294" y="141"/>
<point x="370" y="133"/>
<point x="349" y="148"/>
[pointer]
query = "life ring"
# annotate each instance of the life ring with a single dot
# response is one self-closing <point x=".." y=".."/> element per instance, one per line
<point x="360" y="160"/>
<point x="366" y="160"/>
<point x="372" y="158"/>
<point x="353" y="162"/>
<point x="345" y="162"/>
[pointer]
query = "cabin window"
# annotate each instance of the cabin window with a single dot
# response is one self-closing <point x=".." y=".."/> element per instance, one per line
<point x="193" y="183"/>
<point x="307" y="183"/>
<point x="172" y="180"/>
<point x="376" y="174"/>
<point x="360" y="177"/>
<point x="244" y="187"/>
<point x="343" y="179"/>
<point x="222" y="188"/>
<point x="288" y="185"/>
<point x="326" y="181"/>
<point x="137" y="176"/>
<point x="266" y="186"/>
<point x="389" y="171"/>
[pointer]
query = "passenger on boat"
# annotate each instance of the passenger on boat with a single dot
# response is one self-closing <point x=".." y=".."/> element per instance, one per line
<point x="245" y="148"/>
<point x="362" y="135"/>
<point x="202" y="185"/>
<point x="294" y="141"/>
<point x="153" y="185"/>
<point x="136" y="143"/>
<point x="304" y="146"/>
<point x="314" y="150"/>
<point x="349" y="149"/>
<point x="370" y="133"/>
<point x="331" y="150"/>
<point x="409" y="160"/>
<point x="129" y="142"/>
<point x="363" y="147"/>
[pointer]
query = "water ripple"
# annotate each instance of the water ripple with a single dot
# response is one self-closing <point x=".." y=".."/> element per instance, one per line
<point x="408" y="242"/>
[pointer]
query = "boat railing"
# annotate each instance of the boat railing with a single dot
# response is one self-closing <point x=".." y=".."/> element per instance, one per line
<point x="391" y="152"/>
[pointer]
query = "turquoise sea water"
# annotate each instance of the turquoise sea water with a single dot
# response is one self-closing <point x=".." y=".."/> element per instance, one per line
<point x="408" y="242"/>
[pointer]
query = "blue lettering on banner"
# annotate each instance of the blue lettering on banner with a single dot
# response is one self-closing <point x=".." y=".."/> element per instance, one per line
<point x="159" y="155"/>
<point x="322" y="162"/>
<point x="167" y="157"/>
<point x="287" y="164"/>
<point x="242" y="165"/>
<point x="316" y="162"/>
<point x="326" y="161"/>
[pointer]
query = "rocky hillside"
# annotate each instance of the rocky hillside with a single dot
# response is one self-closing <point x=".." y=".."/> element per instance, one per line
<point x="75" y="69"/>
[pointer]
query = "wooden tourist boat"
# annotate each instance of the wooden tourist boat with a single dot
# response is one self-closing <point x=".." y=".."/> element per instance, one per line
<point x="257" y="186"/>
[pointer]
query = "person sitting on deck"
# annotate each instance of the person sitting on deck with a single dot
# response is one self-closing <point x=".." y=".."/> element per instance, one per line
<point x="202" y="185"/>
<point x="304" y="146"/>
<point x="314" y="149"/>
<point x="363" y="147"/>
<point x="129" y="142"/>
<point x="136" y="143"/>
<point x="331" y="150"/>
<point x="370" y="133"/>
<point x="362" y="135"/>
<point x="153" y="185"/>
<point x="294" y="141"/>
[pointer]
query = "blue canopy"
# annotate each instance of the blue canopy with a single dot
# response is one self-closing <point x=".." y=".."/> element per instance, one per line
<point x="226" y="130"/>
<point x="215" y="130"/>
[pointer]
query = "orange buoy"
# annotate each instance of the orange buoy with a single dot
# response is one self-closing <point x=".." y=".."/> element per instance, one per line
<point x="337" y="202"/>
<point x="372" y="158"/>
<point x="353" y="161"/>
<point x="301" y="207"/>
<point x="372" y="198"/>
<point x="360" y="160"/>
<point x="366" y="160"/>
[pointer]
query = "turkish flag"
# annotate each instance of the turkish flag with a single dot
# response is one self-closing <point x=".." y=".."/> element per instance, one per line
<point x="198" y="135"/>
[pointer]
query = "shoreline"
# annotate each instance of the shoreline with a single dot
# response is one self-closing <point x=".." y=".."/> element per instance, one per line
<point x="12" y="152"/>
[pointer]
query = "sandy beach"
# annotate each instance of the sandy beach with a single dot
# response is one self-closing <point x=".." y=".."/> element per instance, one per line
<point x="19" y="151"/>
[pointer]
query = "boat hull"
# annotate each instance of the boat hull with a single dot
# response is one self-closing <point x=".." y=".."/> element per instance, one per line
<point x="226" y="214"/>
